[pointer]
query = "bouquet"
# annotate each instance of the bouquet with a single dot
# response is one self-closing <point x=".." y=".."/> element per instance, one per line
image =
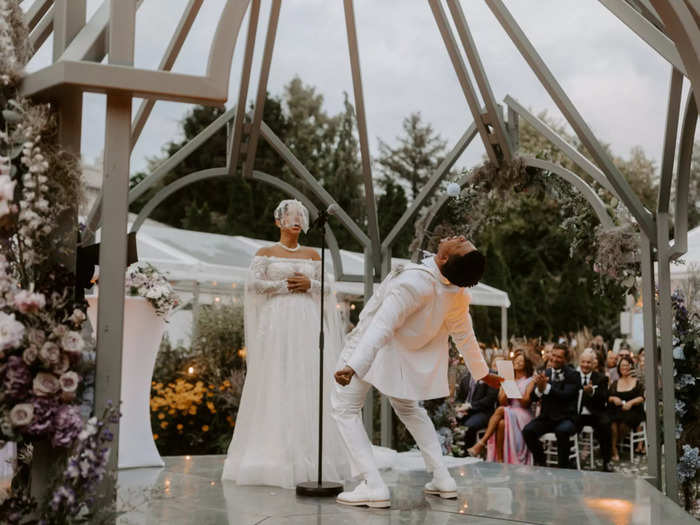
<point x="144" y="280"/>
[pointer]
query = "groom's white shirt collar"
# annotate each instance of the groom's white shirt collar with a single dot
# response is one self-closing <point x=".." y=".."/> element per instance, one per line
<point x="430" y="263"/>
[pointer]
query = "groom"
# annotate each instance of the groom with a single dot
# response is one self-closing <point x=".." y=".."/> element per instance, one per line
<point x="400" y="346"/>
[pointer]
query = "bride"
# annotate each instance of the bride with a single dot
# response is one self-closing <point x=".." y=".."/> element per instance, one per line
<point x="275" y="440"/>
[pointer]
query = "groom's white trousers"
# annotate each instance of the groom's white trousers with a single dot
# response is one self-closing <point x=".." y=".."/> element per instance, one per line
<point x="347" y="402"/>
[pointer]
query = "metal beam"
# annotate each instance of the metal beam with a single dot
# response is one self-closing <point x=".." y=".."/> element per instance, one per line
<point x="224" y="42"/>
<point x="651" y="378"/>
<point x="300" y="171"/>
<point x="430" y="186"/>
<point x="370" y="202"/>
<point x="682" y="27"/>
<point x="563" y="102"/>
<point x="41" y="31"/>
<point x="648" y="11"/>
<point x="262" y="88"/>
<point x="237" y="132"/>
<point x="567" y="149"/>
<point x="667" y="381"/>
<point x="685" y="160"/>
<point x="645" y="30"/>
<point x="166" y="64"/>
<point x="675" y="91"/>
<point x="463" y="77"/>
<point x="113" y="254"/>
<point x="368" y="407"/>
<point x="493" y="110"/>
<point x="36" y="12"/>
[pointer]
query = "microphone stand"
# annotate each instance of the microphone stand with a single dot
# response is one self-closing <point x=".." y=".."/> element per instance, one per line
<point x="320" y="488"/>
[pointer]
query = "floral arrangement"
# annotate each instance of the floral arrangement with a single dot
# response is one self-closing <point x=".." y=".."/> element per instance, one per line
<point x="44" y="364"/>
<point x="144" y="280"/>
<point x="193" y="416"/>
<point x="686" y="360"/>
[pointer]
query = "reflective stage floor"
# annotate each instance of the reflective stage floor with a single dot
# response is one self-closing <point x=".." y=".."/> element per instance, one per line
<point x="189" y="490"/>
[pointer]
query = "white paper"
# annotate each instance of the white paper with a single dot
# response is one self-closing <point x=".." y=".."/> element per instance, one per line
<point x="510" y="387"/>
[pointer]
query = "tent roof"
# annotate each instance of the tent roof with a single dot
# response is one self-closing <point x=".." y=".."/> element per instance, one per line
<point x="222" y="261"/>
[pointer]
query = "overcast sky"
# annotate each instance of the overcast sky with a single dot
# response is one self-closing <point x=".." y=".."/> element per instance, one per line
<point x="618" y="83"/>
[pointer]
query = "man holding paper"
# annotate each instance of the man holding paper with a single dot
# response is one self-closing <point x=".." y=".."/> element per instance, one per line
<point x="400" y="346"/>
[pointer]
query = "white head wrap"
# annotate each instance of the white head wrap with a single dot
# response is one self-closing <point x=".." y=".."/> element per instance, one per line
<point x="290" y="212"/>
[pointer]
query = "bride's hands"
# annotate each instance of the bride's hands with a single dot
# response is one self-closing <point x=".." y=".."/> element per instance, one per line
<point x="298" y="283"/>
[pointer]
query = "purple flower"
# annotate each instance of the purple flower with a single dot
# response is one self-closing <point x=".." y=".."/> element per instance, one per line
<point x="62" y="496"/>
<point x="67" y="425"/>
<point x="44" y="410"/>
<point x="18" y="378"/>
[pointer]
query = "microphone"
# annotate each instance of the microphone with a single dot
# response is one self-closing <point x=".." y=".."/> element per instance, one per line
<point x="323" y="215"/>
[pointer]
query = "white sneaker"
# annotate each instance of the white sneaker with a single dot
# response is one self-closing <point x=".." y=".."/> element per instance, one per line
<point x="378" y="498"/>
<point x="445" y="487"/>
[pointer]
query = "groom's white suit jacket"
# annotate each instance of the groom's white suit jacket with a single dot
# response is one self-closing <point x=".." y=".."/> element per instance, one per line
<point x="400" y="344"/>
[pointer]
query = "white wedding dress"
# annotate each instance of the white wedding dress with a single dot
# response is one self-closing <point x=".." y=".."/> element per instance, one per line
<point x="275" y="438"/>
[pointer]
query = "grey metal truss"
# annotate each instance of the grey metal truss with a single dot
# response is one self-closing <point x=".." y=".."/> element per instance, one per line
<point x="670" y="135"/>
<point x="563" y="102"/>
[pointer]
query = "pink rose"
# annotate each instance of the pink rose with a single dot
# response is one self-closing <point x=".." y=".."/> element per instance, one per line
<point x="69" y="381"/>
<point x="62" y="366"/>
<point x="36" y="337"/>
<point x="21" y="415"/>
<point x="45" y="384"/>
<point x="50" y="354"/>
<point x="30" y="354"/>
<point x="28" y="302"/>
<point x="73" y="343"/>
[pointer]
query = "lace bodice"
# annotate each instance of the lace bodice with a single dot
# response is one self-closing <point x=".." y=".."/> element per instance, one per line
<point x="270" y="274"/>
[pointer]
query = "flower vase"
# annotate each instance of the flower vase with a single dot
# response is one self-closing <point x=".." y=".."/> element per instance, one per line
<point x="143" y="331"/>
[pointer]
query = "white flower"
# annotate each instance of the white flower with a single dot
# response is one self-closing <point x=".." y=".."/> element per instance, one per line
<point x="89" y="430"/>
<point x="45" y="384"/>
<point x="72" y="342"/>
<point x="30" y="355"/>
<point x="28" y="302"/>
<point x="22" y="414"/>
<point x="50" y="354"/>
<point x="11" y="331"/>
<point x="77" y="317"/>
<point x="453" y="189"/>
<point x="7" y="188"/>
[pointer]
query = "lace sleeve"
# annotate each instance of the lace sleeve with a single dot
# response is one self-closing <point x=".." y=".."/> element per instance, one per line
<point x="316" y="282"/>
<point x="260" y="283"/>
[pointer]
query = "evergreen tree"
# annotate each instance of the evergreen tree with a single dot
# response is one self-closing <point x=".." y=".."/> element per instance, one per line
<point x="391" y="205"/>
<point x="418" y="154"/>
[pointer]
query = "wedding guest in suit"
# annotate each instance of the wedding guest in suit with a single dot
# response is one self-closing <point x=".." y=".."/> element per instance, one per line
<point x="625" y="404"/>
<point x="504" y="436"/>
<point x="593" y="403"/>
<point x="557" y="390"/>
<point x="478" y="401"/>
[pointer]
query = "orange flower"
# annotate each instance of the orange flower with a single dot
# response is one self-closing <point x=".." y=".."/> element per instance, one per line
<point x="205" y="428"/>
<point x="155" y="436"/>
<point x="161" y="415"/>
<point x="179" y="426"/>
<point x="193" y="410"/>
<point x="164" y="424"/>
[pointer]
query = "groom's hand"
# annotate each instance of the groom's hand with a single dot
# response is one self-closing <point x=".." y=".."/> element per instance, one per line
<point x="344" y="375"/>
<point x="492" y="380"/>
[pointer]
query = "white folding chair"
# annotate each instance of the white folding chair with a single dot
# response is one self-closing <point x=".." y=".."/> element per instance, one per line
<point x="634" y="438"/>
<point x="550" y="449"/>
<point x="587" y="439"/>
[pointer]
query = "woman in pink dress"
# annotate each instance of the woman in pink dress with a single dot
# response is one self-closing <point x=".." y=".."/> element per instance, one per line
<point x="504" y="434"/>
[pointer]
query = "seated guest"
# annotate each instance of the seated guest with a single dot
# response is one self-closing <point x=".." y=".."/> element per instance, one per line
<point x="592" y="408"/>
<point x="625" y="403"/>
<point x="557" y="389"/>
<point x="611" y="367"/>
<point x="504" y="434"/>
<point x="478" y="403"/>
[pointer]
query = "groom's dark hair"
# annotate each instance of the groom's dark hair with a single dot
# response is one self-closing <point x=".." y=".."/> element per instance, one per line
<point x="465" y="270"/>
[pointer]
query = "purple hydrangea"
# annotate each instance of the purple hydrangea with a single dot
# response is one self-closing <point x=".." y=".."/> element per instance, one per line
<point x="17" y="378"/>
<point x="44" y="413"/>
<point x="67" y="425"/>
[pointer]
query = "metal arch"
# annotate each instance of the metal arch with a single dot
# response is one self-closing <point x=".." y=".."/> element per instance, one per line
<point x="224" y="43"/>
<point x="569" y="176"/>
<point x="675" y="91"/>
<point x="260" y="176"/>
<point x="577" y="182"/>
<point x="685" y="159"/>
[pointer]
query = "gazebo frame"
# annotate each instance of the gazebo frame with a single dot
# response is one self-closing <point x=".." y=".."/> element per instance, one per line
<point x="670" y="27"/>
